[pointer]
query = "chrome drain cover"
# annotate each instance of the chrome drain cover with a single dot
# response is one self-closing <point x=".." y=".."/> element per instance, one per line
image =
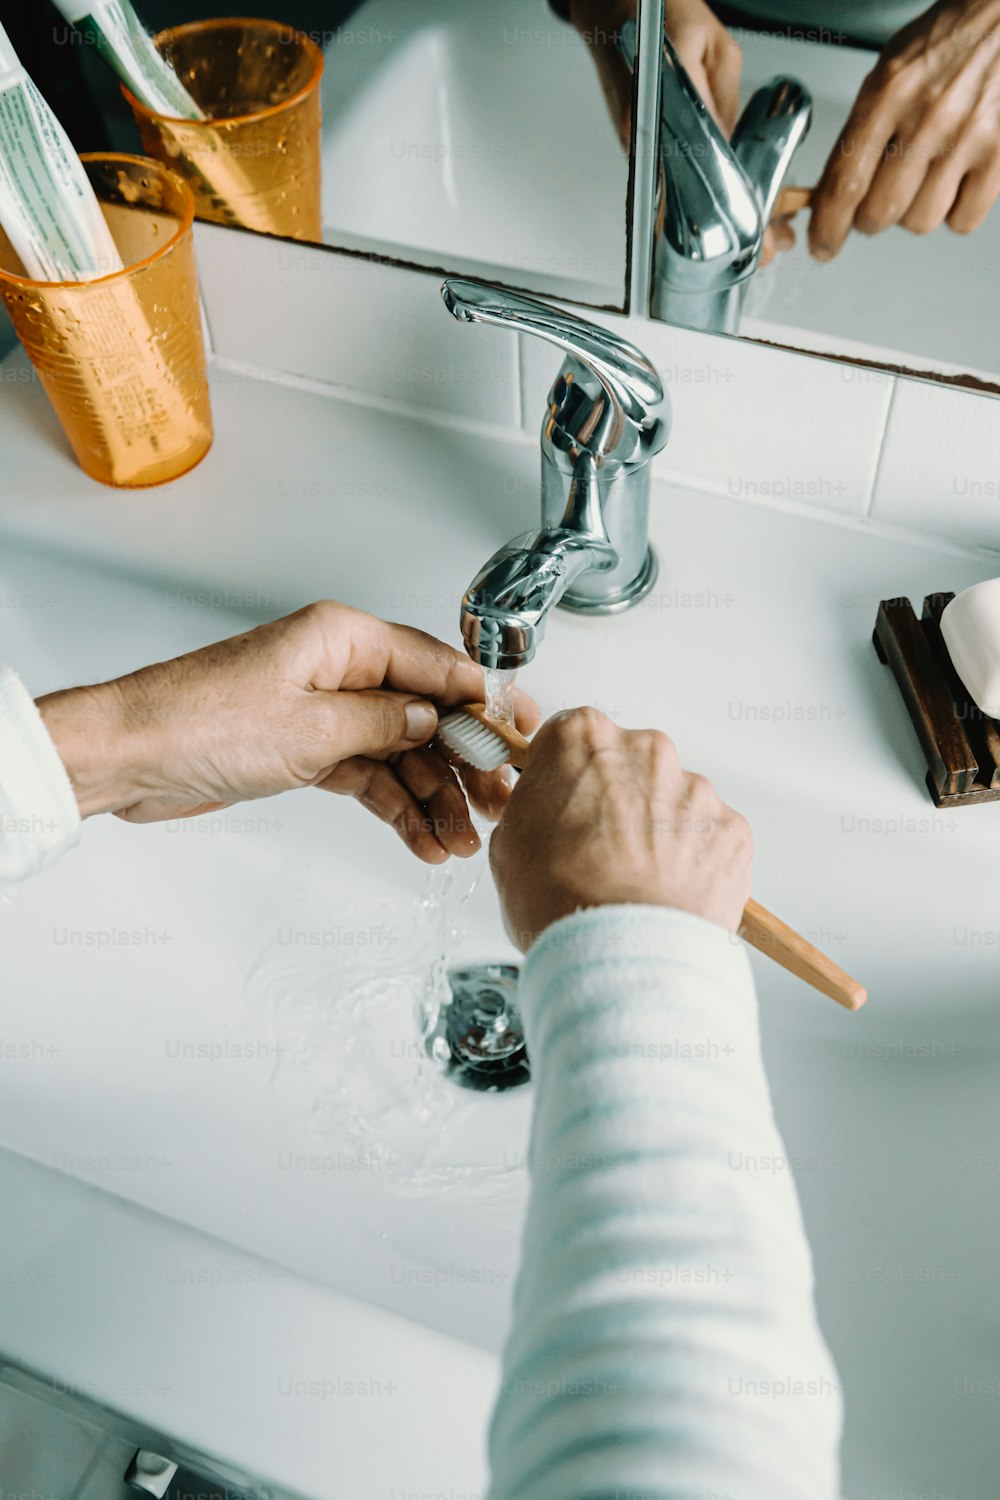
<point x="481" y="1028"/>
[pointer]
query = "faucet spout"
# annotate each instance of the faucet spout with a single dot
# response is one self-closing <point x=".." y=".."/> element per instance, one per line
<point x="507" y="604"/>
<point x="606" y="417"/>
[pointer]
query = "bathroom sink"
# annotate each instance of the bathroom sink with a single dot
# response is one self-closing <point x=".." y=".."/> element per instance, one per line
<point x="237" y="968"/>
<point x="213" y="1026"/>
<point x="427" y="155"/>
<point x="153" y="1071"/>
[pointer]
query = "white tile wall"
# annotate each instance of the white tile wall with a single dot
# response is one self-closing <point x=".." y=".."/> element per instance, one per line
<point x="763" y="424"/>
<point x="375" y="330"/>
<point x="753" y="422"/>
<point x="940" y="464"/>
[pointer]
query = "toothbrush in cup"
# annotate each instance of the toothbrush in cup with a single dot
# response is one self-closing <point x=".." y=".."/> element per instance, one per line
<point x="487" y="744"/>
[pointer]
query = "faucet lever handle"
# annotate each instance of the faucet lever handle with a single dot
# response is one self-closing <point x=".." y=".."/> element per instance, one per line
<point x="629" y="379"/>
<point x="768" y="133"/>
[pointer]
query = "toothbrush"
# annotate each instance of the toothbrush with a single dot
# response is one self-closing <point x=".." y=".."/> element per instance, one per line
<point x="486" y="744"/>
<point x="790" y="201"/>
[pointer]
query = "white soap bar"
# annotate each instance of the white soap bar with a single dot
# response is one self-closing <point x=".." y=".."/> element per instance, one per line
<point x="970" y="625"/>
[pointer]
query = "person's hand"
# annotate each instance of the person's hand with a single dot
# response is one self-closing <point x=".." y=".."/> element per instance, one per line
<point x="604" y="816"/>
<point x="707" y="49"/>
<point x="710" y="54"/>
<point x="779" y="236"/>
<point x="328" y="697"/>
<point x="922" y="144"/>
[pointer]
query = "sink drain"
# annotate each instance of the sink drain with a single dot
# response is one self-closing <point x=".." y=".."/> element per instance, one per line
<point x="479" y="1033"/>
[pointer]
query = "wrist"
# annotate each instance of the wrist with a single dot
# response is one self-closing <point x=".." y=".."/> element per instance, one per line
<point x="89" y="730"/>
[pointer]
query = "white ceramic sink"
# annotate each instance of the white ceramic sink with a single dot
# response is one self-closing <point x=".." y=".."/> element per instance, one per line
<point x="754" y="651"/>
<point x="474" y="136"/>
<point x="178" y="1017"/>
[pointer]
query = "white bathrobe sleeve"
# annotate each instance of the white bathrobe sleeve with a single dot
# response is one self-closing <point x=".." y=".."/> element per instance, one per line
<point x="39" y="818"/>
<point x="664" y="1342"/>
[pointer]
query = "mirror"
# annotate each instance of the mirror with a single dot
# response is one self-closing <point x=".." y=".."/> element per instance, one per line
<point x="871" y="268"/>
<point x="484" y="140"/>
<point x="495" y="141"/>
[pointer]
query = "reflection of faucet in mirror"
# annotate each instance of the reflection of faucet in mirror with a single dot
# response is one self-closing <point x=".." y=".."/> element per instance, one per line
<point x="717" y="196"/>
<point x="607" y="416"/>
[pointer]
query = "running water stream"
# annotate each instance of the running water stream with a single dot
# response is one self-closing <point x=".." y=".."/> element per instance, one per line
<point x="351" y="985"/>
<point x="448" y="887"/>
<point x="498" y="684"/>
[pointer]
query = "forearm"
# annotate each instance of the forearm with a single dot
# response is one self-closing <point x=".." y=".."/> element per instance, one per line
<point x="665" y="1298"/>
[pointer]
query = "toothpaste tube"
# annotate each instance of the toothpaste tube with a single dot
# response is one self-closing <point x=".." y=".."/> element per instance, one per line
<point x="48" y="208"/>
<point x="120" y="38"/>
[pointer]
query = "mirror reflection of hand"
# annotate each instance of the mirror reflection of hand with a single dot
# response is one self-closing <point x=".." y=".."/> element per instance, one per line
<point x="328" y="697"/>
<point x="709" y="52"/>
<point x="778" y="237"/>
<point x="712" y="56"/>
<point x="921" y="146"/>
<point x="706" y="48"/>
<point x="714" y="61"/>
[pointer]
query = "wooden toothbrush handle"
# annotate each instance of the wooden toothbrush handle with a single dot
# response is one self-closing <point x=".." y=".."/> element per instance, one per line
<point x="517" y="746"/>
<point x="775" y="939"/>
<point x="760" y="928"/>
<point x="790" y="201"/>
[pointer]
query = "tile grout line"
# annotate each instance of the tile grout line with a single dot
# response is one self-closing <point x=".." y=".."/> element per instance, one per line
<point x="206" y="327"/>
<point x="882" y="447"/>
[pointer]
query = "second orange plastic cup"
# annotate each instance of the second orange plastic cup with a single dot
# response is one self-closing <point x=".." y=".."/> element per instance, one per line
<point x="255" y="161"/>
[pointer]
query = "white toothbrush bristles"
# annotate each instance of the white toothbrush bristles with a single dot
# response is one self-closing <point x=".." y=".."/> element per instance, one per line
<point x="473" y="741"/>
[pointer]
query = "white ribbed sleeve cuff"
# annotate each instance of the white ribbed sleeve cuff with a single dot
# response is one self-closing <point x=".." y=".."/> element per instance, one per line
<point x="39" y="818"/>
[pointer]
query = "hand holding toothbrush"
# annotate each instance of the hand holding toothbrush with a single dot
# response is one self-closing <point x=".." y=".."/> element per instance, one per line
<point x="607" y="817"/>
<point x="604" y="816"/>
<point x="328" y="697"/>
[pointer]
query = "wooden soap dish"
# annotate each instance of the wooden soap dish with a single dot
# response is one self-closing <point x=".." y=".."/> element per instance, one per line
<point x="961" y="743"/>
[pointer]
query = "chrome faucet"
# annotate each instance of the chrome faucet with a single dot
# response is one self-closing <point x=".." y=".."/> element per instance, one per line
<point x="607" y="415"/>
<point x="716" y="196"/>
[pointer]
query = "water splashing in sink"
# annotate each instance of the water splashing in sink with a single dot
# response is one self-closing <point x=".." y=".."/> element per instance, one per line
<point x="351" y="1019"/>
<point x="353" y="986"/>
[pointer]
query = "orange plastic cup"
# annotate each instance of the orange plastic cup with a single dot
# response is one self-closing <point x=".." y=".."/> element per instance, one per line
<point x="256" y="160"/>
<point x="122" y="357"/>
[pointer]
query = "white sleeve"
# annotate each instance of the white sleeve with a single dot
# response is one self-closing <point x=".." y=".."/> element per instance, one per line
<point x="39" y="818"/>
<point x="664" y="1341"/>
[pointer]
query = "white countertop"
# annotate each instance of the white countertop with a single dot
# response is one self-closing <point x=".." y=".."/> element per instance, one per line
<point x="754" y="653"/>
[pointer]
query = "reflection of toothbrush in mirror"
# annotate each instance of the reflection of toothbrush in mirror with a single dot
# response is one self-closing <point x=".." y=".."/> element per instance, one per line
<point x="485" y="743"/>
<point x="790" y="201"/>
